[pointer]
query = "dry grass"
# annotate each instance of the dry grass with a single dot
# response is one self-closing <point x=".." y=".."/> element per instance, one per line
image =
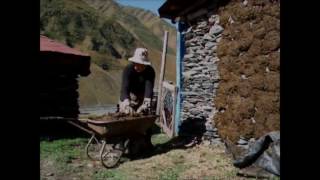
<point x="65" y="159"/>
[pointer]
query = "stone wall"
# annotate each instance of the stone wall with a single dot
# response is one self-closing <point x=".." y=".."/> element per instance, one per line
<point x="231" y="73"/>
<point x="200" y="78"/>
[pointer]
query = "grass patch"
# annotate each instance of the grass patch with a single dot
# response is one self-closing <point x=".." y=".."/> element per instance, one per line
<point x="159" y="139"/>
<point x="62" y="152"/>
<point x="172" y="172"/>
<point x="66" y="159"/>
<point x="69" y="147"/>
<point x="112" y="174"/>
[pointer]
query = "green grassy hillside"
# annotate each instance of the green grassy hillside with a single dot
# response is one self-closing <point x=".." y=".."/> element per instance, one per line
<point x="109" y="33"/>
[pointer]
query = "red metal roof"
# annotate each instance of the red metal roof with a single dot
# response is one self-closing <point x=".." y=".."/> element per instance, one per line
<point x="49" y="45"/>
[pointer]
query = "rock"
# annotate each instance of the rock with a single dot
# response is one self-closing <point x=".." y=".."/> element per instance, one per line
<point x="187" y="75"/>
<point x="216" y="141"/>
<point x="189" y="44"/>
<point x="217" y="20"/>
<point x="194" y="40"/>
<point x="230" y="20"/>
<point x="199" y="77"/>
<point x="243" y="146"/>
<point x="216" y="29"/>
<point x="90" y="165"/>
<point x="189" y="51"/>
<point x="208" y="37"/>
<point x="200" y="33"/>
<point x="207" y="58"/>
<point x="207" y="108"/>
<point x="193" y="100"/>
<point x="267" y="70"/>
<point x="245" y="2"/>
<point x="195" y="48"/>
<point x="253" y="120"/>
<point x="243" y="76"/>
<point x="50" y="174"/>
<point x="191" y="65"/>
<point x="206" y="142"/>
<point x="197" y="68"/>
<point x="208" y="133"/>
<point x="188" y="55"/>
<point x="214" y="59"/>
<point x="218" y="39"/>
<point x="214" y="49"/>
<point x="216" y="135"/>
<point x="211" y="68"/>
<point x="184" y="93"/>
<point x="200" y="51"/>
<point x="197" y="30"/>
<point x="210" y="44"/>
<point x="207" y="86"/>
<point x="213" y="19"/>
<point x="188" y="36"/>
<point x="189" y="29"/>
<point x="242" y="142"/>
<point x="202" y="24"/>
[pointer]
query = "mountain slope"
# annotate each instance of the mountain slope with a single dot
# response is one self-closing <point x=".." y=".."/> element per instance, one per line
<point x="72" y="21"/>
<point x="143" y="28"/>
<point x="154" y="23"/>
<point x="109" y="34"/>
<point x="100" y="87"/>
<point x="110" y="9"/>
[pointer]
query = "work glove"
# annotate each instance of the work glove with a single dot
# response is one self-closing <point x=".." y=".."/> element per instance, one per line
<point x="145" y="105"/>
<point x="125" y="107"/>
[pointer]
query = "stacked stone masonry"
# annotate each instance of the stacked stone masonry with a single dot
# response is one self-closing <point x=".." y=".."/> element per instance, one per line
<point x="200" y="75"/>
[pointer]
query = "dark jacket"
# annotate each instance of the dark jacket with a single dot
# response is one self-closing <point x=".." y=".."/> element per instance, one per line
<point x="140" y="84"/>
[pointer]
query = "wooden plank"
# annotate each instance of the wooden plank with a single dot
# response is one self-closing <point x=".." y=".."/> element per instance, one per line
<point x="167" y="131"/>
<point x="163" y="63"/>
<point x="164" y="118"/>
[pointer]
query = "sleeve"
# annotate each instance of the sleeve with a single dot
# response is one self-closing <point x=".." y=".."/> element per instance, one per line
<point x="148" y="93"/>
<point x="124" y="93"/>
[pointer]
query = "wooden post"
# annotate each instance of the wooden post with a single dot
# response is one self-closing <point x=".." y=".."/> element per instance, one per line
<point x="163" y="64"/>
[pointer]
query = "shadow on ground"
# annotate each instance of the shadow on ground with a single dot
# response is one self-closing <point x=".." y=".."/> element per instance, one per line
<point x="190" y="134"/>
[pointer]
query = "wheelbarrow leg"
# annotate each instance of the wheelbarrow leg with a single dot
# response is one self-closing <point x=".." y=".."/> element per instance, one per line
<point x="110" y="158"/>
<point x="89" y="144"/>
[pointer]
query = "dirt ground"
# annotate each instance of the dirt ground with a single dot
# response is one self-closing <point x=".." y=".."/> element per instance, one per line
<point x="65" y="159"/>
<point x="248" y="98"/>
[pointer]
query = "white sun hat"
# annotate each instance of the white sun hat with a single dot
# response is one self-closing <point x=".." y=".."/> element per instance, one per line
<point x="140" y="56"/>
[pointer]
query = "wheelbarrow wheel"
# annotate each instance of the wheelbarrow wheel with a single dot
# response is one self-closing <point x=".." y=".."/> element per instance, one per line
<point x="92" y="148"/>
<point x="111" y="157"/>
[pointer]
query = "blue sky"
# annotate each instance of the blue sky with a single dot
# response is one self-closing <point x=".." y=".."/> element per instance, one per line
<point x="152" y="5"/>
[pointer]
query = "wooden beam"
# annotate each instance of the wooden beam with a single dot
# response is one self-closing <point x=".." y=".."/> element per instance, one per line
<point x="162" y="71"/>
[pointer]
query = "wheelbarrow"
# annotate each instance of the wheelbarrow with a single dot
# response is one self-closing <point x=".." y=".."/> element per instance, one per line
<point x="109" y="138"/>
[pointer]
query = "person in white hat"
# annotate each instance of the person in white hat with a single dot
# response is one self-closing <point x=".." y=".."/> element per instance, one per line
<point x="137" y="84"/>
